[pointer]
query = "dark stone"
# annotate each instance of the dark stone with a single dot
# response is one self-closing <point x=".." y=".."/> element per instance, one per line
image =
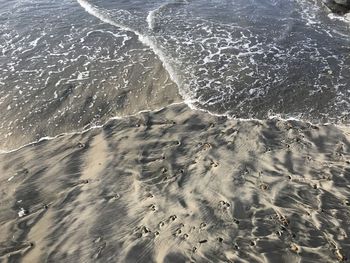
<point x="340" y="7"/>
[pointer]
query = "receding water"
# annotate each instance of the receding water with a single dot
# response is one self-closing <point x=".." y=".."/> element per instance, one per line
<point x="70" y="64"/>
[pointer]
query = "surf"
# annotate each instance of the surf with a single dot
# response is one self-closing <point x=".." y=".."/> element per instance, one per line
<point x="145" y="40"/>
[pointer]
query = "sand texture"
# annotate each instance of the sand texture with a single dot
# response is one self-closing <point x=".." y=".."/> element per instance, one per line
<point x="178" y="185"/>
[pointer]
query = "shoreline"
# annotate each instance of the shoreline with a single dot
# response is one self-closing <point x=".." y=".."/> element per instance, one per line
<point x="183" y="102"/>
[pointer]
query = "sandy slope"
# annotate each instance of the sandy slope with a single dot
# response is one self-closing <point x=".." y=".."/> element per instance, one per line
<point x="179" y="186"/>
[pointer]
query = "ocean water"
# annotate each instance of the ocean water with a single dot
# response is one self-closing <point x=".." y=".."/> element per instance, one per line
<point x="70" y="64"/>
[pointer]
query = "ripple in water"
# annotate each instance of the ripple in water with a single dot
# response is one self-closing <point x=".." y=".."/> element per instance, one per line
<point x="250" y="59"/>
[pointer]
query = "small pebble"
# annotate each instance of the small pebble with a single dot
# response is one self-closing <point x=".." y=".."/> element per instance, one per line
<point x="81" y="145"/>
<point x="264" y="187"/>
<point x="294" y="248"/>
<point x="23" y="212"/>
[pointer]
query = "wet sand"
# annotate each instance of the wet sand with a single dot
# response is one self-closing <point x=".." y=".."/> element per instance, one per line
<point x="178" y="185"/>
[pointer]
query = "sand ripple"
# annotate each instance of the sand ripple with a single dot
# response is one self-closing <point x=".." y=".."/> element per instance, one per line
<point x="179" y="186"/>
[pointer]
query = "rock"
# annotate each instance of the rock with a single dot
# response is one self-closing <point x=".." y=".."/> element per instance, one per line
<point x="340" y="7"/>
<point x="343" y="2"/>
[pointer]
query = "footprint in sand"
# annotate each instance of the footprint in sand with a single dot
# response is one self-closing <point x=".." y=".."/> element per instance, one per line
<point x="214" y="164"/>
<point x="224" y="205"/>
<point x="81" y="145"/>
<point x="264" y="186"/>
<point x="153" y="207"/>
<point x="173" y="218"/>
<point x="205" y="146"/>
<point x="177" y="232"/>
<point x="141" y="231"/>
<point x="145" y="230"/>
<point x="149" y="195"/>
<point x="202" y="225"/>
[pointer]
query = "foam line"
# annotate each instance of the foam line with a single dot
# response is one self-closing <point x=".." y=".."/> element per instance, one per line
<point x="95" y="11"/>
<point x="50" y="138"/>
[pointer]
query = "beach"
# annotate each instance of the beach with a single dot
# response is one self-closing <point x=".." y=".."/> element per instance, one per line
<point x="178" y="185"/>
<point x="173" y="131"/>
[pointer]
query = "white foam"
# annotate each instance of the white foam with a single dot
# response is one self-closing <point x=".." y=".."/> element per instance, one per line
<point x="151" y="17"/>
<point x="104" y="17"/>
<point x="345" y="18"/>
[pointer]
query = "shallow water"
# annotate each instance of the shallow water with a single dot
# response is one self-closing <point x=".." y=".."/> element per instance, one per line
<point x="70" y="64"/>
